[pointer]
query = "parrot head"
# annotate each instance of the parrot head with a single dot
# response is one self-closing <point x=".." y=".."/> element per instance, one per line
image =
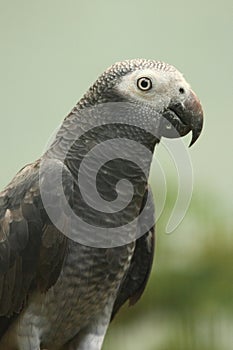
<point x="155" y="86"/>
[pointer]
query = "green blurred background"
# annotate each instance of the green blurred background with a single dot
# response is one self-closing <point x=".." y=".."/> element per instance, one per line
<point x="50" y="52"/>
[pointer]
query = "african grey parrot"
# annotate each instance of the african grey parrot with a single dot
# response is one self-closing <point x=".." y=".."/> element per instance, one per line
<point x="61" y="284"/>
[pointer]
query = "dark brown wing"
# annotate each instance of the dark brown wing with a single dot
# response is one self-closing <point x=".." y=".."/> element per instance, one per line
<point x="137" y="276"/>
<point x="32" y="250"/>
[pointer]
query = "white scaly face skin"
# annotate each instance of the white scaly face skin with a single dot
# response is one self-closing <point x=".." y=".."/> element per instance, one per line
<point x="166" y="86"/>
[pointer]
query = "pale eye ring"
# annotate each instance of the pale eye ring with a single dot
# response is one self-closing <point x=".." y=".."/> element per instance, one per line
<point x="144" y="83"/>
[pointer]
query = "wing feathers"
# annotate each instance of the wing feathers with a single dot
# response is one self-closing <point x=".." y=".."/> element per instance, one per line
<point x="138" y="273"/>
<point x="32" y="250"/>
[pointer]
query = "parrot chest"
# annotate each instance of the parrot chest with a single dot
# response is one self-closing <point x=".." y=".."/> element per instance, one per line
<point x="88" y="284"/>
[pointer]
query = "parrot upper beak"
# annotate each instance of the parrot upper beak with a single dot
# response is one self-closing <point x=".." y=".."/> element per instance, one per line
<point x="184" y="117"/>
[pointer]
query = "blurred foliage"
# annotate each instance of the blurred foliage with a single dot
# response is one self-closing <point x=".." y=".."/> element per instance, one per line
<point x="188" y="303"/>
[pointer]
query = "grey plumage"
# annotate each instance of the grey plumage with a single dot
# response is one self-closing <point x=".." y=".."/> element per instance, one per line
<point x="56" y="293"/>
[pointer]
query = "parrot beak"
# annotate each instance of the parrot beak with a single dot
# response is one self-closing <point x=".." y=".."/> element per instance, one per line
<point x="184" y="117"/>
<point x="194" y="107"/>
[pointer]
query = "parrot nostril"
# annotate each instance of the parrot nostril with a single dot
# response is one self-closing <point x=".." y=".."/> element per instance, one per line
<point x="181" y="90"/>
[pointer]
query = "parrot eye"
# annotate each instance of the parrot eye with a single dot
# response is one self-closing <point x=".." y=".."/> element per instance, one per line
<point x="144" y="84"/>
<point x="181" y="90"/>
